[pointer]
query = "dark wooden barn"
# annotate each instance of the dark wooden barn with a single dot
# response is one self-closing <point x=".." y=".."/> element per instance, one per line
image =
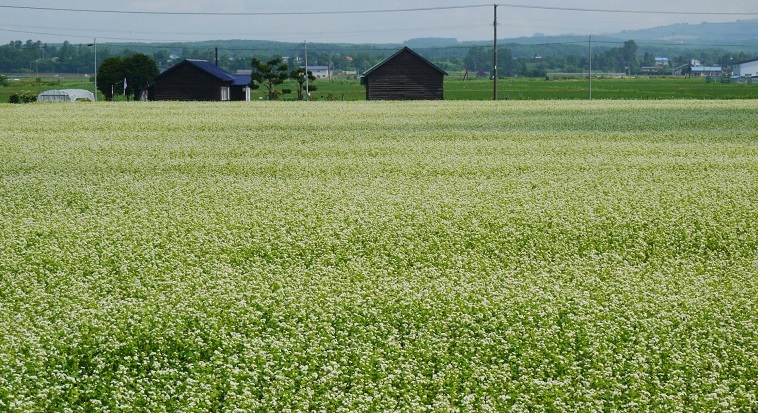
<point x="199" y="80"/>
<point x="405" y="75"/>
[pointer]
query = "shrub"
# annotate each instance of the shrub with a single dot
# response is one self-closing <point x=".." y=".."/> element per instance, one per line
<point x="23" y="97"/>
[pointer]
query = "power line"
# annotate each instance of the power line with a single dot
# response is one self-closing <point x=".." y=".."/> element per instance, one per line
<point x="683" y="13"/>
<point x="377" y="11"/>
<point x="297" y="13"/>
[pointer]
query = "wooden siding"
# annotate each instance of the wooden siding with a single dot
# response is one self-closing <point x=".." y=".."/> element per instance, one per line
<point x="404" y="77"/>
<point x="238" y="93"/>
<point x="188" y="83"/>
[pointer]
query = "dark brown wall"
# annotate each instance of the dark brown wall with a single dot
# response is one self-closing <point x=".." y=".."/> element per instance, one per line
<point x="405" y="78"/>
<point x="188" y="83"/>
<point x="237" y="93"/>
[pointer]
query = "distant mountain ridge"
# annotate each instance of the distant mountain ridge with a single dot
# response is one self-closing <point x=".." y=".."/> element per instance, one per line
<point x="741" y="30"/>
<point x="740" y="34"/>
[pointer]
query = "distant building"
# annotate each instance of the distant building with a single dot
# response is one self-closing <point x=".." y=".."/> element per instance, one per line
<point x="746" y="69"/>
<point x="320" y="72"/>
<point x="652" y="69"/>
<point x="405" y="75"/>
<point x="199" y="80"/>
<point x="661" y="61"/>
<point x="694" y="68"/>
<point x="709" y="71"/>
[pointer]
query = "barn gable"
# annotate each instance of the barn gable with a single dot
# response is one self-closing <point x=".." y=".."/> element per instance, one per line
<point x="405" y="75"/>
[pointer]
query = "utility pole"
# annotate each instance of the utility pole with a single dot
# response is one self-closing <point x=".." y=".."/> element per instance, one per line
<point x="94" y="44"/>
<point x="590" y="67"/>
<point x="307" y="90"/>
<point x="494" y="58"/>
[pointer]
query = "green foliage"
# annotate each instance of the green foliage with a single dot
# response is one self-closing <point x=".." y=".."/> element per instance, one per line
<point x="138" y="70"/>
<point x="379" y="256"/>
<point x="4" y="81"/>
<point x="300" y="76"/>
<point x="110" y="76"/>
<point x="269" y="74"/>
<point x="23" y="97"/>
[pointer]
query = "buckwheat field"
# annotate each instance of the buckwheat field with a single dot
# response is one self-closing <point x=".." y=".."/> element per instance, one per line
<point x="364" y="256"/>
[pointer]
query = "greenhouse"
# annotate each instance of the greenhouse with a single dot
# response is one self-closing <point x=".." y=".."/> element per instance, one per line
<point x="66" y="95"/>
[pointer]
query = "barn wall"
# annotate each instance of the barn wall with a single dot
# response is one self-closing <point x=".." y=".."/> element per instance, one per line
<point x="188" y="83"/>
<point x="405" y="77"/>
<point x="238" y="93"/>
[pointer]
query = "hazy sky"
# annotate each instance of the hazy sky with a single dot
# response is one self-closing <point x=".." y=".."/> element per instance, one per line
<point x="471" y="23"/>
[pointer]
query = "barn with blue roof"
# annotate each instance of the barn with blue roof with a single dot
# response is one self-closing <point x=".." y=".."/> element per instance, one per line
<point x="199" y="80"/>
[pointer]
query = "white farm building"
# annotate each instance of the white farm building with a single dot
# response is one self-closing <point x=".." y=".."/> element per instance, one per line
<point x="66" y="95"/>
<point x="746" y="69"/>
<point x="320" y="72"/>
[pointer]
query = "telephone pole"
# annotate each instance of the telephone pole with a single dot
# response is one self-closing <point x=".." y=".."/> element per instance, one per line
<point x="494" y="57"/>
<point x="590" y="67"/>
<point x="307" y="88"/>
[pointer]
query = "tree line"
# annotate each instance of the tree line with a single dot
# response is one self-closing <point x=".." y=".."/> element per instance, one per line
<point x="532" y="60"/>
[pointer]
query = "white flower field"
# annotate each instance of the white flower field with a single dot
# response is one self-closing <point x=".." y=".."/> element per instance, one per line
<point x="366" y="256"/>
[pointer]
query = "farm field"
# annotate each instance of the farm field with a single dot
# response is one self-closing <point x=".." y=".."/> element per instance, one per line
<point x="379" y="256"/>
<point x="478" y="89"/>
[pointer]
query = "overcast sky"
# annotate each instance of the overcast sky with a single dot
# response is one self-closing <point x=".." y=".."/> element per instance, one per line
<point x="469" y="23"/>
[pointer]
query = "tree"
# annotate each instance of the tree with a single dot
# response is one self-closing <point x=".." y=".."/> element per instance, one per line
<point x="299" y="76"/>
<point x="478" y="59"/>
<point x="139" y="71"/>
<point x="110" y="76"/>
<point x="269" y="74"/>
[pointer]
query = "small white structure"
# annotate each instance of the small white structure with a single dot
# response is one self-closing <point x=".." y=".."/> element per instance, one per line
<point x="320" y="72"/>
<point x="66" y="95"/>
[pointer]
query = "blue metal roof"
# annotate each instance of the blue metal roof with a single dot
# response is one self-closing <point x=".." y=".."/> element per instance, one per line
<point x="212" y="69"/>
<point x="241" y="80"/>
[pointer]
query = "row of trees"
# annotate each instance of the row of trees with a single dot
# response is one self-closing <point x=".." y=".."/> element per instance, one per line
<point x="38" y="57"/>
<point x="537" y="60"/>
<point x="620" y="59"/>
<point x="514" y="59"/>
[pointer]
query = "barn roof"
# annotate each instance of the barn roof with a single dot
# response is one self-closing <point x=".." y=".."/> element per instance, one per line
<point x="242" y="80"/>
<point x="748" y="61"/>
<point x="211" y="69"/>
<point x="205" y="66"/>
<point x="403" y="50"/>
